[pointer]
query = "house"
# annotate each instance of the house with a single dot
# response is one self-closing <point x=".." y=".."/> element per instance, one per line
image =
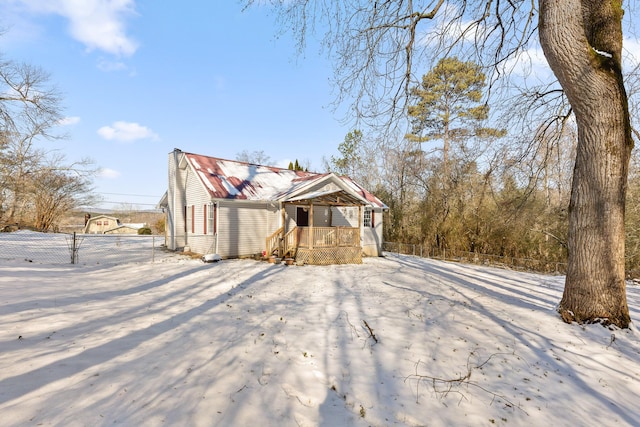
<point x="105" y="224"/>
<point x="100" y="224"/>
<point x="236" y="209"/>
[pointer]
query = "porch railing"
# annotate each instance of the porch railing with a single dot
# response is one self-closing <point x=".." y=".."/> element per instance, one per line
<point x="320" y="237"/>
<point x="274" y="241"/>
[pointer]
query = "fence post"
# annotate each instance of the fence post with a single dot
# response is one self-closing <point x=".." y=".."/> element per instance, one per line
<point x="73" y="249"/>
<point x="153" y="249"/>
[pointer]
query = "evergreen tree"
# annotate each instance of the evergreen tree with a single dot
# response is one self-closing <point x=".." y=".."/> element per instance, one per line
<point x="449" y="106"/>
<point x="296" y="166"/>
<point x="349" y="161"/>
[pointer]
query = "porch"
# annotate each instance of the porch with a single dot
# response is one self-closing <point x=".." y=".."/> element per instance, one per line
<point x="317" y="245"/>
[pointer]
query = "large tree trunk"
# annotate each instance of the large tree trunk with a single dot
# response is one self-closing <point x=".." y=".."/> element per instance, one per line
<point x="582" y="41"/>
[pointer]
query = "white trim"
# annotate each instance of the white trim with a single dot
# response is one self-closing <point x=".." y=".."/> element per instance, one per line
<point x="299" y="194"/>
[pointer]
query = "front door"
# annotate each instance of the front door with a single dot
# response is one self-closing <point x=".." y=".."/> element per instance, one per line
<point x="302" y="217"/>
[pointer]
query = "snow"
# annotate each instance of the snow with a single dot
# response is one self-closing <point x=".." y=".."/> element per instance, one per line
<point x="241" y="342"/>
<point x="602" y="53"/>
<point x="266" y="182"/>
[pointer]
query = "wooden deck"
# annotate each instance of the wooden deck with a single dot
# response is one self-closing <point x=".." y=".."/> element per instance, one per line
<point x="318" y="245"/>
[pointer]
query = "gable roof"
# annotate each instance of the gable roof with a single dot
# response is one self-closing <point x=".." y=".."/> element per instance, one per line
<point x="100" y="218"/>
<point x="229" y="179"/>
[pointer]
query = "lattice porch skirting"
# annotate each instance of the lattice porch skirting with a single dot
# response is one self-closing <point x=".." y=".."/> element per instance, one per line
<point x="329" y="256"/>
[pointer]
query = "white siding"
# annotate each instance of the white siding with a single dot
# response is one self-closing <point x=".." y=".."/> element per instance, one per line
<point x="372" y="236"/>
<point x="186" y="190"/>
<point x="321" y="216"/>
<point x="274" y="218"/>
<point x="194" y="200"/>
<point x="346" y="216"/>
<point x="244" y="227"/>
<point x="290" y="217"/>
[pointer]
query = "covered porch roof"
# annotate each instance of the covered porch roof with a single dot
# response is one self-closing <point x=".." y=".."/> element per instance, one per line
<point x="333" y="197"/>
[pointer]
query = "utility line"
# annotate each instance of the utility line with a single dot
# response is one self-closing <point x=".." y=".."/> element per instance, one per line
<point x="125" y="194"/>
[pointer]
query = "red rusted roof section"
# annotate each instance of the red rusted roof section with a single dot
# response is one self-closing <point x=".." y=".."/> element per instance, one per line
<point x="229" y="179"/>
<point x="363" y="192"/>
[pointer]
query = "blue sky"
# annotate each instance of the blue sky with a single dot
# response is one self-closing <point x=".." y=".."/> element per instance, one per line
<point x="140" y="78"/>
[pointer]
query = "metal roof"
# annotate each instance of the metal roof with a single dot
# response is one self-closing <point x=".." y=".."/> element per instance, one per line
<point x="229" y="179"/>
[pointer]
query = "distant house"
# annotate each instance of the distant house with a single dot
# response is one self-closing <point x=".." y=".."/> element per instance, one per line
<point x="105" y="224"/>
<point x="236" y="209"/>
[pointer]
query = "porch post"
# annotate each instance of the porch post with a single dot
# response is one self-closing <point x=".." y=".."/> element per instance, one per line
<point x="311" y="225"/>
<point x="284" y="217"/>
<point x="360" y="226"/>
<point x="283" y="225"/>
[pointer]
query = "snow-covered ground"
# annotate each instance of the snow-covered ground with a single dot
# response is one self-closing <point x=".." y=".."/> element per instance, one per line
<point x="395" y="341"/>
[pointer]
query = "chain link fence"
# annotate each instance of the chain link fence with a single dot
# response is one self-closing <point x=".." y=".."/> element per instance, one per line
<point x="522" y="264"/>
<point x="73" y="248"/>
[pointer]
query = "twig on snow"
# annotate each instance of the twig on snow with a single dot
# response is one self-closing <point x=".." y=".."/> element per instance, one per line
<point x="353" y="328"/>
<point x="452" y="384"/>
<point x="370" y="331"/>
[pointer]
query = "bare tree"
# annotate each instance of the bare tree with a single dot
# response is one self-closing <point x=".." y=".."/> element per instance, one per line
<point x="55" y="190"/>
<point x="36" y="186"/>
<point x="29" y="109"/>
<point x="258" y="157"/>
<point x="29" y="104"/>
<point x="375" y="46"/>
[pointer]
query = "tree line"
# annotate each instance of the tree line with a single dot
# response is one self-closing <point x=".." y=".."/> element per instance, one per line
<point x="455" y="184"/>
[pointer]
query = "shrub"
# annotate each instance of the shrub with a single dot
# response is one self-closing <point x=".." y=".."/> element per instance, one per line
<point x="159" y="225"/>
<point x="144" y="230"/>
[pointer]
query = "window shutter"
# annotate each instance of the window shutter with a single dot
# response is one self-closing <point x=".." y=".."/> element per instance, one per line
<point x="204" y="218"/>
<point x="215" y="218"/>
<point x="185" y="218"/>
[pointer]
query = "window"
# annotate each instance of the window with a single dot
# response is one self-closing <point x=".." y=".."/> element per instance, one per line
<point x="368" y="217"/>
<point x="211" y="218"/>
<point x="188" y="218"/>
<point x="193" y="216"/>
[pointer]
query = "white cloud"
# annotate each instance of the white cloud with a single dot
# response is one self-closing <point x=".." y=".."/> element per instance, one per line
<point x="447" y="27"/>
<point x="530" y="63"/>
<point x="98" y="24"/>
<point x="127" y="132"/>
<point x="106" y="65"/>
<point x="108" y="173"/>
<point x="69" y="121"/>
